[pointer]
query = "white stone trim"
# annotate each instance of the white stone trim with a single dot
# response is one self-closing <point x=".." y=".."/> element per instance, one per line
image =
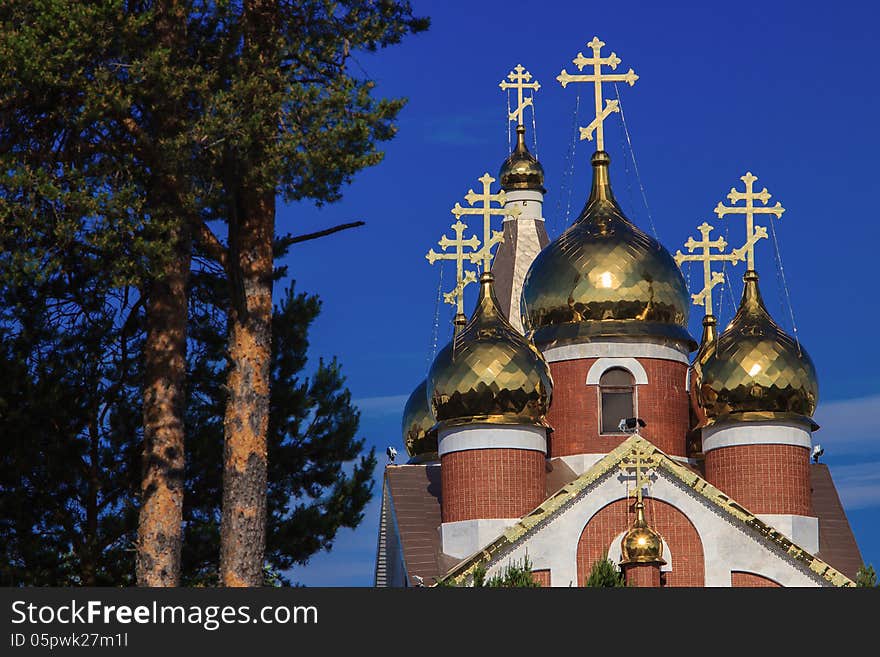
<point x="756" y="433"/>
<point x="462" y="538"/>
<point x="580" y="463"/>
<point x="614" y="349"/>
<point x="523" y="195"/>
<point x="615" y="553"/>
<point x="803" y="530"/>
<point x="492" y="436"/>
<point x="631" y="365"/>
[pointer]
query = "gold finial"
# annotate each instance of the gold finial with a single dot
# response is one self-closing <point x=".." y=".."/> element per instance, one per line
<point x="519" y="80"/>
<point x="638" y="459"/>
<point x="460" y="256"/>
<point x="597" y="78"/>
<point x="753" y="233"/>
<point x="710" y="278"/>
<point x="490" y="237"/>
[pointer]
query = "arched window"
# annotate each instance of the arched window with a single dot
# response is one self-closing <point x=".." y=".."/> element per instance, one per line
<point x="617" y="398"/>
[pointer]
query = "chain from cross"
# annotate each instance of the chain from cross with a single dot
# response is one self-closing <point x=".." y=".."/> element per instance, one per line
<point x="519" y="79"/>
<point x="710" y="278"/>
<point x="597" y="78"/>
<point x="637" y="461"/>
<point x="460" y="256"/>
<point x="490" y="237"/>
<point x="753" y="232"/>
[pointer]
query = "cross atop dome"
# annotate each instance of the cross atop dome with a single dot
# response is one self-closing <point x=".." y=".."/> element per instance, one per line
<point x="487" y="211"/>
<point x="519" y="79"/>
<point x="597" y="78"/>
<point x="460" y="256"/>
<point x="749" y="210"/>
<point x="710" y="278"/>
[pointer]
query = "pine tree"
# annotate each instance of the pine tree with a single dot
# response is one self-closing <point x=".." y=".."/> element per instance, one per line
<point x="126" y="128"/>
<point x="97" y="102"/>
<point x="866" y="577"/>
<point x="302" y="124"/>
<point x="71" y="424"/>
<point x="605" y="574"/>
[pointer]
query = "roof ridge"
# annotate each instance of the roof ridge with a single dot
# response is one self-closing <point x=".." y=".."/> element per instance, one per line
<point x="556" y="502"/>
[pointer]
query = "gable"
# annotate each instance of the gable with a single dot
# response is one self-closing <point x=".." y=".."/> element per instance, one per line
<point x="733" y="539"/>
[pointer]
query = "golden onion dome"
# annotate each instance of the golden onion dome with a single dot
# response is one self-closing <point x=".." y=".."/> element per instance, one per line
<point x="521" y="170"/>
<point x="419" y="436"/>
<point x="754" y="370"/>
<point x="641" y="544"/>
<point x="489" y="373"/>
<point x="604" y="277"/>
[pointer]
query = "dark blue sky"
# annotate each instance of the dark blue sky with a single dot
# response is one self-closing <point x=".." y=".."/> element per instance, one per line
<point x="787" y="90"/>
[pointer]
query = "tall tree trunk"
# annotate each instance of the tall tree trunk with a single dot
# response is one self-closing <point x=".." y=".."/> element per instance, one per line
<point x="161" y="513"/>
<point x="160" y="525"/>
<point x="243" y="531"/>
<point x="250" y="268"/>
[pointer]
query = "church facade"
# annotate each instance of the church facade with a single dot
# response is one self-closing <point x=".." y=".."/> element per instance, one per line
<point x="573" y="418"/>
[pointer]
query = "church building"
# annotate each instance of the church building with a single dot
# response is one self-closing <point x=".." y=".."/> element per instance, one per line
<point x="573" y="418"/>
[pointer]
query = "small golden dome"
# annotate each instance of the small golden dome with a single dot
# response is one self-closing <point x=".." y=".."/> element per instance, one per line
<point x="754" y="370"/>
<point x="489" y="373"/>
<point x="419" y="437"/>
<point x="521" y="170"/>
<point x="604" y="277"/>
<point x="710" y="334"/>
<point x="641" y="544"/>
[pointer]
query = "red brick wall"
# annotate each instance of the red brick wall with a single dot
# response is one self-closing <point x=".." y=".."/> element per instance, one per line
<point x="680" y="535"/>
<point x="744" y="580"/>
<point x="644" y="575"/>
<point x="763" y="478"/>
<point x="491" y="483"/>
<point x="574" y="415"/>
<point x="542" y="577"/>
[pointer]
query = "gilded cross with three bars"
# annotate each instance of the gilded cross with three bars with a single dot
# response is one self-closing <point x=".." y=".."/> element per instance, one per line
<point x="597" y="78"/>
<point x="710" y="278"/>
<point x="487" y="211"/>
<point x="460" y="256"/>
<point x="753" y="232"/>
<point x="638" y="460"/>
<point x="519" y="79"/>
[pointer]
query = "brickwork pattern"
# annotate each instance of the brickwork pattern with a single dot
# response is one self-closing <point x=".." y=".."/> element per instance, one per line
<point x="574" y="415"/>
<point x="684" y="543"/>
<point x="644" y="575"/>
<point x="542" y="577"/>
<point x="751" y="580"/>
<point x="763" y="478"/>
<point x="491" y="483"/>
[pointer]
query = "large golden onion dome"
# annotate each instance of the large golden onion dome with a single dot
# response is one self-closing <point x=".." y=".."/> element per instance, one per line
<point x="641" y="544"/>
<point x="419" y="436"/>
<point x="754" y="370"/>
<point x="521" y="170"/>
<point x="489" y="373"/>
<point x="604" y="277"/>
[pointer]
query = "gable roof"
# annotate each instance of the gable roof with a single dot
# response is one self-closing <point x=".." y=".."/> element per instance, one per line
<point x="837" y="545"/>
<point x="415" y="503"/>
<point x="559" y="501"/>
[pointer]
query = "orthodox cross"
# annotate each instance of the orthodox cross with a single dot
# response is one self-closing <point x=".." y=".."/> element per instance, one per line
<point x="519" y="80"/>
<point x="460" y="256"/>
<point x="710" y="278"/>
<point x="597" y="78"/>
<point x="636" y="462"/>
<point x="753" y="232"/>
<point x="490" y="237"/>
